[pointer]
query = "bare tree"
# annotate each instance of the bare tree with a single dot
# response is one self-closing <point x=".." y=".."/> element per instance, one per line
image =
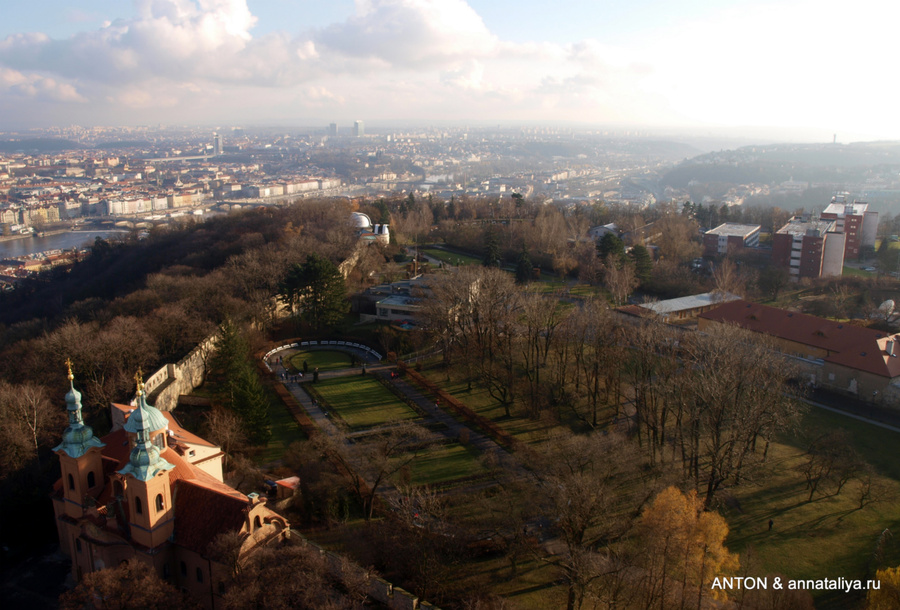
<point x="131" y="585"/>
<point x="30" y="421"/>
<point x="370" y="463"/>
<point x="586" y="483"/>
<point x="225" y="429"/>
<point x="619" y="278"/>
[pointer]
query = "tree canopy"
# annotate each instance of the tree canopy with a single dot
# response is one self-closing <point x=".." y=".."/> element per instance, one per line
<point x="317" y="288"/>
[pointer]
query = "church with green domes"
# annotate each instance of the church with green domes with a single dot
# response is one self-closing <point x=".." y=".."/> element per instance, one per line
<point x="150" y="491"/>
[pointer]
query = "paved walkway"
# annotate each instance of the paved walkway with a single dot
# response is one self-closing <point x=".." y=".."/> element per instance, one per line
<point x="871" y="413"/>
<point x="452" y="428"/>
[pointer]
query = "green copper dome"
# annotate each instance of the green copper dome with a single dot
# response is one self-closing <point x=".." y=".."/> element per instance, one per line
<point x="146" y="417"/>
<point x="77" y="437"/>
<point x="145" y="462"/>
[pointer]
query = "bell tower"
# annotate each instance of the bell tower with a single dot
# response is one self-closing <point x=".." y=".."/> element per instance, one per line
<point x="79" y="456"/>
<point x="148" y="493"/>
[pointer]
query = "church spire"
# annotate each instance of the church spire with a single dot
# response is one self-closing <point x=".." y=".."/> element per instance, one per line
<point x="78" y="437"/>
<point x="145" y="460"/>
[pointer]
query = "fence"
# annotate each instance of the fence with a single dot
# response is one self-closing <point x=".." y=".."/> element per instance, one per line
<point x="318" y="344"/>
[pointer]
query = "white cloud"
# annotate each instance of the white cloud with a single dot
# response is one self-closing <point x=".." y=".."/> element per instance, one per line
<point x="411" y="33"/>
<point x="469" y="77"/>
<point x="37" y="87"/>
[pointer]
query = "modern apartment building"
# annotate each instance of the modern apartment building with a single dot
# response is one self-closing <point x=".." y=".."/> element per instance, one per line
<point x="730" y="237"/>
<point x="809" y="248"/>
<point x="854" y="220"/>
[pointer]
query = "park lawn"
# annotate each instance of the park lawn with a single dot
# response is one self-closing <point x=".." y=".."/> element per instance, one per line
<point x="535" y="586"/>
<point x="284" y="429"/>
<point x="326" y="360"/>
<point x="362" y="402"/>
<point x="451" y="258"/>
<point x="584" y="290"/>
<point x="857" y="272"/>
<point x="282" y="425"/>
<point x="443" y="464"/>
<point x="479" y="400"/>
<point x="829" y="537"/>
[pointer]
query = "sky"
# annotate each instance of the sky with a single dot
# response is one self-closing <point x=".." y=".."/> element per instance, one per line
<point x="793" y="66"/>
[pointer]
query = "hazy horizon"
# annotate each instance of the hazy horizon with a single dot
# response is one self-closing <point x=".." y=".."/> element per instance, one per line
<point x="697" y="68"/>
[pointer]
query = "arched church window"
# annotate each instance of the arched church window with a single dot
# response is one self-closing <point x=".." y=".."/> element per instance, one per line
<point x="159" y="502"/>
<point x="92" y="480"/>
<point x="257" y="523"/>
<point x="71" y="482"/>
<point x="138" y="506"/>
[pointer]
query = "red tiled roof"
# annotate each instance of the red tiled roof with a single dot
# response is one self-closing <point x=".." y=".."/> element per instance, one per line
<point x="182" y="434"/>
<point x="848" y="345"/>
<point x="202" y="513"/>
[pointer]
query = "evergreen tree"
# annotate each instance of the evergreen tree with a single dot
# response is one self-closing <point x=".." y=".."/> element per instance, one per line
<point x="240" y="388"/>
<point x="888" y="258"/>
<point x="491" y="250"/>
<point x="317" y="287"/>
<point x="643" y="263"/>
<point x="523" y="268"/>
<point x="610" y="244"/>
<point x="251" y="404"/>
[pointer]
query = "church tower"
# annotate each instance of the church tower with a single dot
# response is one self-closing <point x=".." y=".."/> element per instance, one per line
<point x="145" y="479"/>
<point x="79" y="457"/>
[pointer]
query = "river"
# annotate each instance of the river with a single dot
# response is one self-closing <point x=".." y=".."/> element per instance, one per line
<point x="61" y="241"/>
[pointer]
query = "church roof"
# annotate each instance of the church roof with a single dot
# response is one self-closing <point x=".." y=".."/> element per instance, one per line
<point x="145" y="460"/>
<point x="203" y="512"/>
<point x="146" y="416"/>
<point x="78" y="437"/>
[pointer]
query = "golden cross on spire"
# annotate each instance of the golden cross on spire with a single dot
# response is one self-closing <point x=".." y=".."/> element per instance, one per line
<point x="69" y="366"/>
<point x="139" y="379"/>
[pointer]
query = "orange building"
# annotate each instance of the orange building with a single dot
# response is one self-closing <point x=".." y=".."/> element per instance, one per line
<point x="151" y="491"/>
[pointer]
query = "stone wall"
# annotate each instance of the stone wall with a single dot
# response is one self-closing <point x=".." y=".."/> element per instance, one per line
<point x="378" y="589"/>
<point x="169" y="382"/>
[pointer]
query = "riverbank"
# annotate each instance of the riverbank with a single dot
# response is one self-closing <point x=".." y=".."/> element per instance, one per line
<point x="44" y="233"/>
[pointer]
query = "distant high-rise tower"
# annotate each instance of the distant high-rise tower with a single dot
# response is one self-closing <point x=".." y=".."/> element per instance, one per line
<point x="358" y="129"/>
<point x="332" y="129"/>
<point x="218" y="144"/>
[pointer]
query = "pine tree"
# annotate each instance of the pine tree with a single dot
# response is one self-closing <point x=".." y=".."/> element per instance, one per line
<point x="643" y="262"/>
<point x="610" y="244"/>
<point x="317" y="288"/>
<point x="251" y="404"/>
<point x="523" y="268"/>
<point x="492" y="250"/>
<point x="240" y="389"/>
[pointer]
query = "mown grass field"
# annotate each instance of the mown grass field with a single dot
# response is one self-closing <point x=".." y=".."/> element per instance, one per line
<point x="326" y="360"/>
<point x="362" y="403"/>
<point x="443" y="464"/>
<point x="451" y="258"/>
<point x="830" y="536"/>
<point x="284" y="430"/>
<point x="479" y="400"/>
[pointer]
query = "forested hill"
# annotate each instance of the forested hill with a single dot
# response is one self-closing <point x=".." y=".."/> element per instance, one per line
<point x="776" y="163"/>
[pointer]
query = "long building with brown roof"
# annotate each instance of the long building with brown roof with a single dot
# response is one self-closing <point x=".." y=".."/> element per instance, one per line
<point x="841" y="356"/>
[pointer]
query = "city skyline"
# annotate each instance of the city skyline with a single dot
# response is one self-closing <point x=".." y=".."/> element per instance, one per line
<point x="798" y="69"/>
